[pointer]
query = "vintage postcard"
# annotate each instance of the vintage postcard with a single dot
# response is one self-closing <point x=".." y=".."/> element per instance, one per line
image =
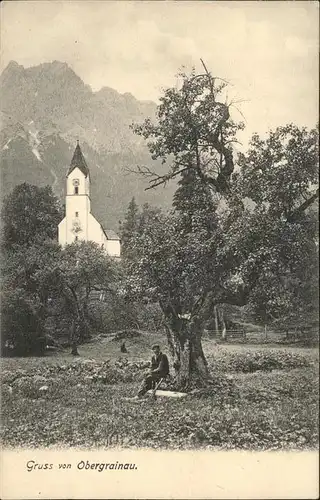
<point x="159" y="249"/>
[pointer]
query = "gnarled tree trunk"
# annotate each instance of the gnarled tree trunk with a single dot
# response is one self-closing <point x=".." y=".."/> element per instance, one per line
<point x="189" y="362"/>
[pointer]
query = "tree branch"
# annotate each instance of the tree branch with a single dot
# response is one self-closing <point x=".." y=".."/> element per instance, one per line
<point x="293" y="217"/>
<point x="199" y="303"/>
<point x="215" y="141"/>
<point x="157" y="179"/>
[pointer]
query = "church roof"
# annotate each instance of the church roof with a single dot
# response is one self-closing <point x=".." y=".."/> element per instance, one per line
<point x="78" y="161"/>
<point x="110" y="234"/>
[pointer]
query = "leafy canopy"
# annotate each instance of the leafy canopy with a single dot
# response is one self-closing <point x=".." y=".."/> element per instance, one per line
<point x="193" y="130"/>
<point x="30" y="214"/>
<point x="250" y="238"/>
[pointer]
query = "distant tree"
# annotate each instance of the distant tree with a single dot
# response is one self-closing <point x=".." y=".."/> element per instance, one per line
<point x="132" y="310"/>
<point x="82" y="267"/>
<point x="128" y="226"/>
<point x="21" y="332"/>
<point x="278" y="181"/>
<point x="280" y="172"/>
<point x="30" y="214"/>
<point x="29" y="220"/>
<point x="35" y="275"/>
<point x="25" y="291"/>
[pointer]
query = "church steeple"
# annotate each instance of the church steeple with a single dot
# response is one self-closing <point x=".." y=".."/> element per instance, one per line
<point x="78" y="161"/>
<point x="79" y="224"/>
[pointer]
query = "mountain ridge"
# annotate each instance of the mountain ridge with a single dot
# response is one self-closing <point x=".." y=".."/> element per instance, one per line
<point x="46" y="108"/>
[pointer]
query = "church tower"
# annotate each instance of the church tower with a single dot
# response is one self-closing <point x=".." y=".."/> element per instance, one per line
<point x="77" y="200"/>
<point x="79" y="224"/>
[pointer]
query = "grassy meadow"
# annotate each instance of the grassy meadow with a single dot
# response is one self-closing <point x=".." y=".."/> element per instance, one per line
<point x="263" y="398"/>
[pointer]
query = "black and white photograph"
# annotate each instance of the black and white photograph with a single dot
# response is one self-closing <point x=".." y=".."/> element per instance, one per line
<point x="159" y="240"/>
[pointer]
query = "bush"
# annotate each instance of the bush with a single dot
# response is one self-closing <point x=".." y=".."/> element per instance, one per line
<point x="21" y="329"/>
<point x="95" y="371"/>
<point x="252" y="361"/>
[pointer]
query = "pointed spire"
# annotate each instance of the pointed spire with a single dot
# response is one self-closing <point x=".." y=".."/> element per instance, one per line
<point x="78" y="161"/>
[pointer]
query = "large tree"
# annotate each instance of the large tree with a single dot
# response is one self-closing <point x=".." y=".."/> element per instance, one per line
<point x="193" y="131"/>
<point x="219" y="245"/>
<point x="174" y="268"/>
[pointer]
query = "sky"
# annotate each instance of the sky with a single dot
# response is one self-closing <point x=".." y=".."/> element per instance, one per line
<point x="268" y="51"/>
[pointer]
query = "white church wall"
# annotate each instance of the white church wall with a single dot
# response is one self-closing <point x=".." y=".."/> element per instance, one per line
<point x="77" y="213"/>
<point x="113" y="248"/>
<point x="94" y="230"/>
<point x="62" y="232"/>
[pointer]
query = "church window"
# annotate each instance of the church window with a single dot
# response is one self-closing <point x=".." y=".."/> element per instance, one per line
<point x="76" y="186"/>
<point x="76" y="238"/>
<point x="77" y="214"/>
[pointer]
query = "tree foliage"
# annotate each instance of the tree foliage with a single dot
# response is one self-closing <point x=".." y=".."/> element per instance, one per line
<point x="30" y="214"/>
<point x="243" y="236"/>
<point x="281" y="171"/>
<point x="29" y="217"/>
<point x="194" y="130"/>
<point x="83" y="267"/>
<point x="276" y="228"/>
<point x="25" y="291"/>
<point x="36" y="271"/>
<point x="37" y="276"/>
<point x="128" y="226"/>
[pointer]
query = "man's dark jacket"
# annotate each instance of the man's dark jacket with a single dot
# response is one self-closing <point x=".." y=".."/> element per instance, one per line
<point x="160" y="365"/>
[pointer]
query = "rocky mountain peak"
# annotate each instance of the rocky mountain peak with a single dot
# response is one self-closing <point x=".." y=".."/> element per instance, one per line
<point x="45" y="109"/>
<point x="12" y="71"/>
<point x="14" y="66"/>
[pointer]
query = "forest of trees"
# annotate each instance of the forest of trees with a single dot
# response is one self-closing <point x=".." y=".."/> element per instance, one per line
<point x="242" y="233"/>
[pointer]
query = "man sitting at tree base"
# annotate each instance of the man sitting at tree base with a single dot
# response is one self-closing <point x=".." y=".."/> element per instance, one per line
<point x="159" y="370"/>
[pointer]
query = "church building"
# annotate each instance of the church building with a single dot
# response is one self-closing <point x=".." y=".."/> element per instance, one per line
<point x="79" y="224"/>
